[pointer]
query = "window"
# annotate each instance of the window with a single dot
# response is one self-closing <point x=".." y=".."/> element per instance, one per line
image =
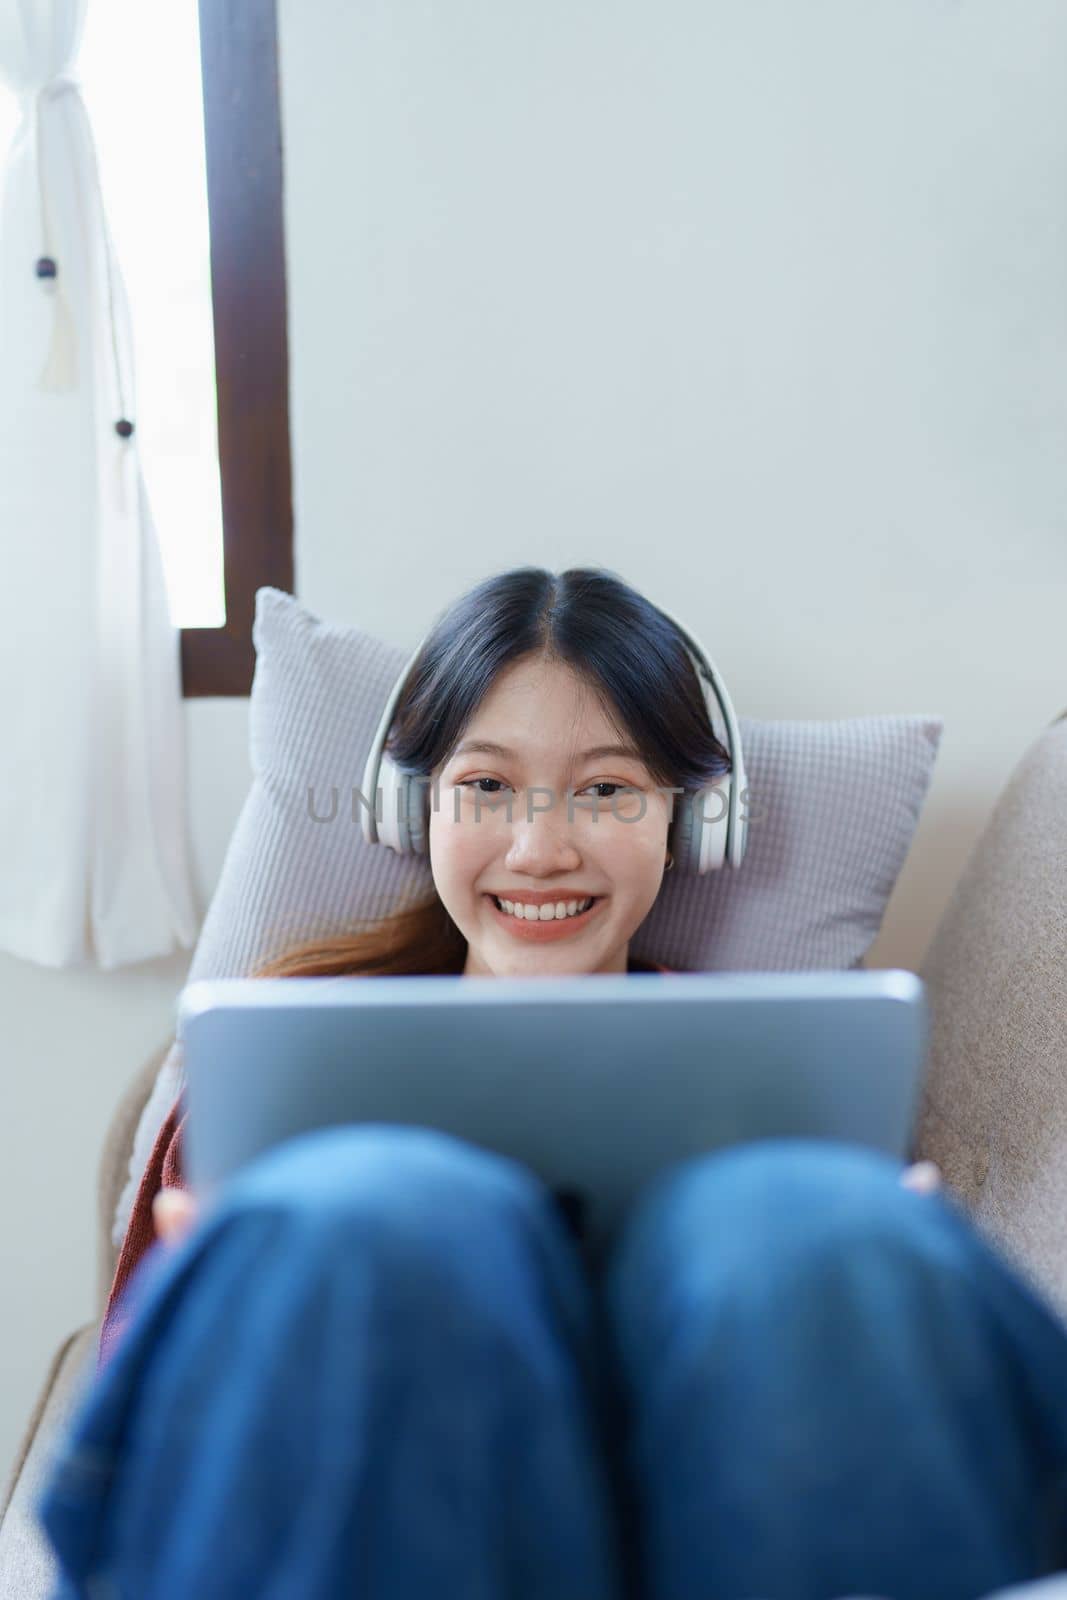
<point x="207" y="305"/>
<point x="242" y="137"/>
<point x="163" y="247"/>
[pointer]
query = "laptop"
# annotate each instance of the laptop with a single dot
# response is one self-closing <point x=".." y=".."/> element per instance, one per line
<point x="597" y="1083"/>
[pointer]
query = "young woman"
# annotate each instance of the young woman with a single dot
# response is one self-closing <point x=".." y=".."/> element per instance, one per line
<point x="378" y="1366"/>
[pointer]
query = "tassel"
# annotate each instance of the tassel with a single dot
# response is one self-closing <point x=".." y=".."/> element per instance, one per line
<point x="120" y="480"/>
<point x="60" y="372"/>
<point x="122" y="456"/>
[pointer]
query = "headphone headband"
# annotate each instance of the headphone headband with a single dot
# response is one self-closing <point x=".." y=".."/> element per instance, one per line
<point x="698" y="843"/>
<point x="727" y="730"/>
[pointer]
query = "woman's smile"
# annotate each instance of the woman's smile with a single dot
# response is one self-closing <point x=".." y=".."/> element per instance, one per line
<point x="541" y="931"/>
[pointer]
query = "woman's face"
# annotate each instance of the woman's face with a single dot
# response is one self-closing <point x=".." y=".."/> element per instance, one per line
<point x="554" y="847"/>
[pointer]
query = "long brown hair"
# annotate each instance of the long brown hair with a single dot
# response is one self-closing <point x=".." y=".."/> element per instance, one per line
<point x="619" y="643"/>
<point x="421" y="938"/>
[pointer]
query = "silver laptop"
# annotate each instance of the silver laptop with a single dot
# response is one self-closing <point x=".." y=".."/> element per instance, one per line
<point x="596" y="1083"/>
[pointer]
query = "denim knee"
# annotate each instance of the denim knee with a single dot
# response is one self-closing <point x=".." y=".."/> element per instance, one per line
<point x="422" y="1211"/>
<point x="787" y="1207"/>
<point x="357" y="1362"/>
<point x="762" y="1180"/>
<point x="397" y="1178"/>
<point x="815" y="1356"/>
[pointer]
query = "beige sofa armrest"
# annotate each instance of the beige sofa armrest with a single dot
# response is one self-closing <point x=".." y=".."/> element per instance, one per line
<point x="994" y="1104"/>
<point x="26" y="1566"/>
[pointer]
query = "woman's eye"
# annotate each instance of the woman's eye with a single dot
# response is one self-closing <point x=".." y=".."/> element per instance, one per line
<point x="468" y="783"/>
<point x="606" y="783"/>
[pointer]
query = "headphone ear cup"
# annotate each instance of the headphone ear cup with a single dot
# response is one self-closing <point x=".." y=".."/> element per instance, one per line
<point x="738" y="840"/>
<point x="715" y="809"/>
<point x="699" y="832"/>
<point x="391" y="830"/>
<point x="404" y="810"/>
<point x="403" y="815"/>
<point x="742" y="835"/>
<point x="684" y="849"/>
<point x="416" y="802"/>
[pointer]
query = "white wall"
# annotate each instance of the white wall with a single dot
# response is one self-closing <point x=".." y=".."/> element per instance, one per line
<point x="762" y="306"/>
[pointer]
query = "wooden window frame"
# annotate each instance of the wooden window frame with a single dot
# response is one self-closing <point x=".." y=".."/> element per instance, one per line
<point x="243" y="150"/>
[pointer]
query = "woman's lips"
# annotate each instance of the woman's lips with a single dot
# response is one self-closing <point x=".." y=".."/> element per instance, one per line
<point x="544" y="932"/>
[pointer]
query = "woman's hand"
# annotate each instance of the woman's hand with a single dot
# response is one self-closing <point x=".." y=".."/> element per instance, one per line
<point x="924" y="1176"/>
<point x="174" y="1211"/>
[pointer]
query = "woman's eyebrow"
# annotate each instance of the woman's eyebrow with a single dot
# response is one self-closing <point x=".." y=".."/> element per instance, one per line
<point x="488" y="748"/>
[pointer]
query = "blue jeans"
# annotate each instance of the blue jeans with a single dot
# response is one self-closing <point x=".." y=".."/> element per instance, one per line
<point x="381" y="1367"/>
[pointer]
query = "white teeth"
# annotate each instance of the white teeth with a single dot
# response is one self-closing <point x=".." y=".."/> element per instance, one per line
<point x="556" y="911"/>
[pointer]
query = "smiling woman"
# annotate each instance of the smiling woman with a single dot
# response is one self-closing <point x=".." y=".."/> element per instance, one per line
<point x="562" y="886"/>
<point x="553" y="721"/>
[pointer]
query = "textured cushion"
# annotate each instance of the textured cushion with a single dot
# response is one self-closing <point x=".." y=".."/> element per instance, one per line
<point x="994" y="1108"/>
<point x="833" y="808"/>
<point x="27" y="1566"/>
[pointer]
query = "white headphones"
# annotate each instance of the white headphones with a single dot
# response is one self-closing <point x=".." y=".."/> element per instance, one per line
<point x="700" y="840"/>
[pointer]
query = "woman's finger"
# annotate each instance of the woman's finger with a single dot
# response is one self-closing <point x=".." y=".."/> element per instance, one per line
<point x="923" y="1176"/>
<point x="174" y="1212"/>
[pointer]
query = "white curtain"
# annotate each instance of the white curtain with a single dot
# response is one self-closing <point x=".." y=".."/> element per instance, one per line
<point x="94" y="859"/>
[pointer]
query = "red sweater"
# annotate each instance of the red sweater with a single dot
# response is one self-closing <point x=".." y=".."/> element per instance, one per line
<point x="164" y="1171"/>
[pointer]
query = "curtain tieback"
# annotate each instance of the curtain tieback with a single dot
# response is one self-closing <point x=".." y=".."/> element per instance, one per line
<point x="61" y="367"/>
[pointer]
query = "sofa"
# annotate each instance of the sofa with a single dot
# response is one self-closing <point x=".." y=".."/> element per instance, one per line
<point x="993" y="1112"/>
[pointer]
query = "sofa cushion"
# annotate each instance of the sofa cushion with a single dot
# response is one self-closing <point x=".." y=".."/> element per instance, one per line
<point x="833" y="808"/>
<point x="27" y="1566"/>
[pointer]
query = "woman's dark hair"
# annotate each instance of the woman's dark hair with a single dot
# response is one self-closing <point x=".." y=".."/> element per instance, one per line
<point x="616" y="641"/>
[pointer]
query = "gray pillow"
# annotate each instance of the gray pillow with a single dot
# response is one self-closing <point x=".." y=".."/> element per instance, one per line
<point x="833" y="807"/>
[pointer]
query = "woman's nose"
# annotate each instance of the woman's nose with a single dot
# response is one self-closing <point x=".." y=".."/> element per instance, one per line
<point x="542" y="833"/>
